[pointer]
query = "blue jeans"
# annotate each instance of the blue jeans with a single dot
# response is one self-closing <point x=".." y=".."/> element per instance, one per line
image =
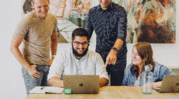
<point x="117" y="71"/>
<point x="30" y="83"/>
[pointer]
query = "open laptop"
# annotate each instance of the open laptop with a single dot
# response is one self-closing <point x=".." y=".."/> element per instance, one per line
<point x="81" y="84"/>
<point x="170" y="84"/>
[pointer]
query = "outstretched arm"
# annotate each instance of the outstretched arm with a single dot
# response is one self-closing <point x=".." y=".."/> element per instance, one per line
<point x="112" y="56"/>
<point x="121" y="37"/>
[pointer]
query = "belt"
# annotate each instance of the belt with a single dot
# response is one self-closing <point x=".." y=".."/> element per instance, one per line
<point x="40" y="65"/>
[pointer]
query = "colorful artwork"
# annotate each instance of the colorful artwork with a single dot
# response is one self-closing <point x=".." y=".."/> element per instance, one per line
<point x="71" y="14"/>
<point x="152" y="21"/>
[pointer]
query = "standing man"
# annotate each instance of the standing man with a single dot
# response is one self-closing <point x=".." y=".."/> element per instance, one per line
<point x="109" y="22"/>
<point x="37" y="30"/>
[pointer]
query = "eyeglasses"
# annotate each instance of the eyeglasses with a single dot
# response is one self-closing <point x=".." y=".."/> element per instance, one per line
<point x="76" y="43"/>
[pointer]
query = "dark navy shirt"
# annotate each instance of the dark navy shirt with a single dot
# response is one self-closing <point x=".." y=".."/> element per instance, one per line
<point x="109" y="25"/>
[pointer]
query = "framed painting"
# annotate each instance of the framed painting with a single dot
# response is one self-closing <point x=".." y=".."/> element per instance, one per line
<point x="152" y="21"/>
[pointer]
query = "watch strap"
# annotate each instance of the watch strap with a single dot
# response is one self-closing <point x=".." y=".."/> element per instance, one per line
<point x="115" y="49"/>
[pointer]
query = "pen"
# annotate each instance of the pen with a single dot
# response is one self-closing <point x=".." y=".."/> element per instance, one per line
<point x="42" y="87"/>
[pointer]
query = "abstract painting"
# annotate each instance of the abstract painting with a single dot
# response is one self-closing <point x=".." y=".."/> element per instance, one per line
<point x="152" y="21"/>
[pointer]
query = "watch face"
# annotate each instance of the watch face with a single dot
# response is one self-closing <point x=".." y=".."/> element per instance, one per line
<point x="115" y="49"/>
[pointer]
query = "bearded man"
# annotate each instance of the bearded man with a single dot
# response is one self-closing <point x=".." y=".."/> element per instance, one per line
<point x="77" y="60"/>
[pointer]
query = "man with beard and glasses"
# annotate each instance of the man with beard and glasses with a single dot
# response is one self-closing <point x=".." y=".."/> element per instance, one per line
<point x="38" y="31"/>
<point x="77" y="60"/>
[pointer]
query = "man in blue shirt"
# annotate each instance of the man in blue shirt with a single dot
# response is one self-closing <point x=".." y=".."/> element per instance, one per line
<point x="109" y="22"/>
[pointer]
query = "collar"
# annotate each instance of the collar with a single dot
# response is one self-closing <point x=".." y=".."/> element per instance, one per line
<point x="109" y="7"/>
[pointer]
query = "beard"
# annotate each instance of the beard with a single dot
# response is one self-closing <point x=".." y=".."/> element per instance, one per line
<point x="77" y="54"/>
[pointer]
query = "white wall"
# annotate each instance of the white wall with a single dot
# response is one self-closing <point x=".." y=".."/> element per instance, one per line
<point x="11" y="81"/>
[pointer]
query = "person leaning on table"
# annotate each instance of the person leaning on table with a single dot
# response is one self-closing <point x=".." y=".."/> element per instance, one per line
<point x="77" y="60"/>
<point x="142" y="55"/>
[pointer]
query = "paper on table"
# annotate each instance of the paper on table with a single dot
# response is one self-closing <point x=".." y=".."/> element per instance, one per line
<point x="46" y="89"/>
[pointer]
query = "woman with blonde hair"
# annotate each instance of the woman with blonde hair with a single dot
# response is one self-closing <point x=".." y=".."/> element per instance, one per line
<point x="142" y="54"/>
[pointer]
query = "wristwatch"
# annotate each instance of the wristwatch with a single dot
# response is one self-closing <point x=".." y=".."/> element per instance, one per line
<point x="53" y="56"/>
<point x="115" y="49"/>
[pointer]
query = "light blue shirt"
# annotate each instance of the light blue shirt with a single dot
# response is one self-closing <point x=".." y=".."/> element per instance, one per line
<point x="158" y="74"/>
<point x="66" y="63"/>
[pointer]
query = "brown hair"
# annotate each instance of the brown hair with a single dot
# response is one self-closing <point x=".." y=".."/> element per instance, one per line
<point x="145" y="51"/>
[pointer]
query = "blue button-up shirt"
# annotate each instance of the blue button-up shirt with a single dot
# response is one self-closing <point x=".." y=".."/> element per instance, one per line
<point x="158" y="74"/>
<point x="109" y="25"/>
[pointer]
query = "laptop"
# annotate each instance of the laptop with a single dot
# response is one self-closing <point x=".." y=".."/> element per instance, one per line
<point x="81" y="84"/>
<point x="170" y="84"/>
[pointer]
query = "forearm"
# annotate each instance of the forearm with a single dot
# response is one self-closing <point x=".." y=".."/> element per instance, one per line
<point x="157" y="84"/>
<point x="54" y="46"/>
<point x="118" y="44"/>
<point x="103" y="81"/>
<point x="55" y="81"/>
<point x="18" y="55"/>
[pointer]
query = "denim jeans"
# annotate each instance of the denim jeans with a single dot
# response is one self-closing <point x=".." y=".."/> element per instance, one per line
<point x="117" y="71"/>
<point x="30" y="83"/>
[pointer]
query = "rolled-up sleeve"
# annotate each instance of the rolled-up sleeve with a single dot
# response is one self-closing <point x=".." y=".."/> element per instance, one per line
<point x="57" y="67"/>
<point x="100" y="68"/>
<point x="122" y="25"/>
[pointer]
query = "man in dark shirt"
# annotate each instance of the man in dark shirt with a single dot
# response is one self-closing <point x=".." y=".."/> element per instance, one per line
<point x="109" y="22"/>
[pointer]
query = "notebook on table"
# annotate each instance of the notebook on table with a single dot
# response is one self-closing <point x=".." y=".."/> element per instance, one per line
<point x="46" y="90"/>
<point x="81" y="84"/>
<point x="170" y="84"/>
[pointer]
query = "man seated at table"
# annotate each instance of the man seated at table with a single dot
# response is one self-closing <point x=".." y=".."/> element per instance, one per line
<point x="77" y="60"/>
